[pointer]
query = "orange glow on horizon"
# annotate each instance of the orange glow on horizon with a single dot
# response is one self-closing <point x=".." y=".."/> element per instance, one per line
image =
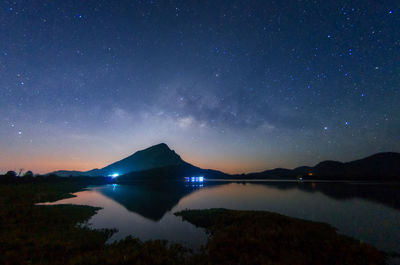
<point x="47" y="164"/>
<point x="42" y="164"/>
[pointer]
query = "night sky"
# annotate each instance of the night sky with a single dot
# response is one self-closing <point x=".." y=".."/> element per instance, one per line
<point x="237" y="86"/>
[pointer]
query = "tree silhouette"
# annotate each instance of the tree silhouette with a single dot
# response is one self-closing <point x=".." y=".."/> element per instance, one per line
<point x="28" y="174"/>
<point x="11" y="174"/>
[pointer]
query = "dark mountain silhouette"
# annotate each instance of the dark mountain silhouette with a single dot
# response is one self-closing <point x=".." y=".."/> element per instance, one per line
<point x="160" y="162"/>
<point x="381" y="166"/>
<point x="153" y="157"/>
<point x="159" y="155"/>
<point x="154" y="163"/>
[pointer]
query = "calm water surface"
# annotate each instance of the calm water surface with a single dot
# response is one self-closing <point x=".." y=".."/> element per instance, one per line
<point x="369" y="212"/>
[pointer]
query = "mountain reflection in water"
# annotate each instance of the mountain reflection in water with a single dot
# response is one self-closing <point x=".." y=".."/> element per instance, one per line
<point x="150" y="201"/>
<point x="369" y="212"/>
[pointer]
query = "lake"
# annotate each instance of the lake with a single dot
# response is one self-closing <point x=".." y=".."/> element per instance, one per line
<point x="369" y="212"/>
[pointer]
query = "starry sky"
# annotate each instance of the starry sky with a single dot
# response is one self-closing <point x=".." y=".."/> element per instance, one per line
<point x="238" y="86"/>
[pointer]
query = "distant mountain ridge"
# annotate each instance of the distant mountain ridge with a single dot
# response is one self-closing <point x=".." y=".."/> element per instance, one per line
<point x="380" y="166"/>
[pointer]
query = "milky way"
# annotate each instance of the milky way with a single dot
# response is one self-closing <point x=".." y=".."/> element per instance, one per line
<point x="232" y="85"/>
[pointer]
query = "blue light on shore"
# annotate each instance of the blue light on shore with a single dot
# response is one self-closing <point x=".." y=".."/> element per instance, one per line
<point x="114" y="175"/>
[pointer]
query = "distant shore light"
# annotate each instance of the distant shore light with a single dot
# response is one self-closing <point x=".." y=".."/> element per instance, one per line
<point x="194" y="179"/>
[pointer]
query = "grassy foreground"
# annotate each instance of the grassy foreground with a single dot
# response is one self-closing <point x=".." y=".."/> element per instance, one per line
<point x="259" y="237"/>
<point x="32" y="234"/>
